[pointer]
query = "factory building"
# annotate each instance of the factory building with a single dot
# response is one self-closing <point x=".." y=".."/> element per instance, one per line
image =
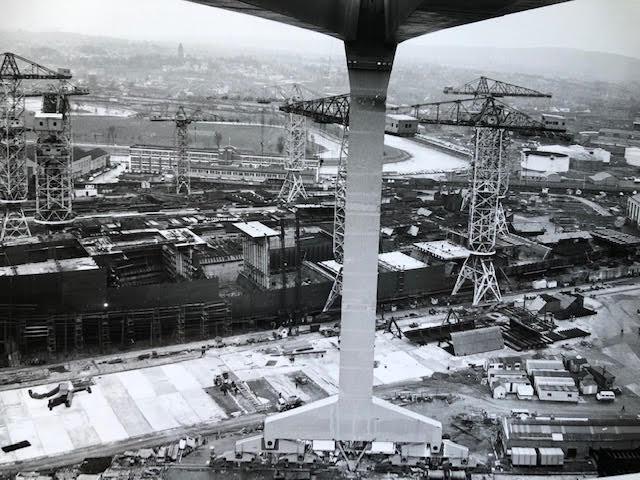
<point x="86" y="162"/>
<point x="577" y="437"/>
<point x="223" y="164"/>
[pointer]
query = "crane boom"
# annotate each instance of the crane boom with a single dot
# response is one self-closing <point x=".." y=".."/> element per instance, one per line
<point x="15" y="67"/>
<point x="479" y="112"/>
<point x="334" y="109"/>
<point x="485" y="86"/>
<point x="64" y="88"/>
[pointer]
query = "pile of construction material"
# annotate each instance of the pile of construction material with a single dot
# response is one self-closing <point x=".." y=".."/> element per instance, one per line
<point x="173" y="452"/>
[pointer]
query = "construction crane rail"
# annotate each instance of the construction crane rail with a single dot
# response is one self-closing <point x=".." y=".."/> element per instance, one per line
<point x="334" y="109"/>
<point x="480" y="112"/>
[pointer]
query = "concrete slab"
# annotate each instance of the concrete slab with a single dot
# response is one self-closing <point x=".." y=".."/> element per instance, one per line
<point x="180" y="377"/>
<point x="159" y="417"/>
<point x="53" y="435"/>
<point x="159" y="381"/>
<point x="79" y="428"/>
<point x="25" y="430"/>
<point x="101" y="416"/>
<point x="398" y="367"/>
<point x="203" y="405"/>
<point x="5" y="440"/>
<point x="137" y="384"/>
<point x="180" y="410"/>
<point x="120" y="400"/>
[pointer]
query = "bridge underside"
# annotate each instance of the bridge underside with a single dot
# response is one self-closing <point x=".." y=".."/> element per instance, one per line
<point x="406" y="19"/>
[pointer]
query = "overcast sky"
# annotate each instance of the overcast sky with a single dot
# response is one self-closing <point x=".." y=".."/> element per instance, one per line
<point x="596" y="25"/>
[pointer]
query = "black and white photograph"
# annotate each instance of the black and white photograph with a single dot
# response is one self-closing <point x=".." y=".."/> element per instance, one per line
<point x="319" y="239"/>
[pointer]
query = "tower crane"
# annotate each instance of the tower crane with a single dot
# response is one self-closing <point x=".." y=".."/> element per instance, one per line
<point x="295" y="140"/>
<point x="182" y="120"/>
<point x="488" y="87"/>
<point x="54" y="154"/>
<point x="14" y="69"/>
<point x="295" y="151"/>
<point x="491" y="119"/>
<point x="334" y="109"/>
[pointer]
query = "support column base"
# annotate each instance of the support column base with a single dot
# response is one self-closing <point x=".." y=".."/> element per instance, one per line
<point x="324" y="420"/>
<point x="480" y="271"/>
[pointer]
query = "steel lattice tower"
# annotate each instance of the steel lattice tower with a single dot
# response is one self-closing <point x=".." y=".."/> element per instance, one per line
<point x="13" y="176"/>
<point x="295" y="145"/>
<point x="183" y="160"/>
<point x="295" y="150"/>
<point x="13" y="172"/>
<point x="182" y="120"/>
<point x="487" y="188"/>
<point x="54" y="181"/>
<point x="338" y="218"/>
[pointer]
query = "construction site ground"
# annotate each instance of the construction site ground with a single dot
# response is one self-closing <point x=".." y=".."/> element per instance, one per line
<point x="144" y="402"/>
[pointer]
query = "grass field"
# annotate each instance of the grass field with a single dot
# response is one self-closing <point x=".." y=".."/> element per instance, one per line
<point x="128" y="131"/>
<point x="247" y="138"/>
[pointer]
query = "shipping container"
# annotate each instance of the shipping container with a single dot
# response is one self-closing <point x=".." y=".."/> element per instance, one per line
<point x="550" y="456"/>
<point x="524" y="456"/>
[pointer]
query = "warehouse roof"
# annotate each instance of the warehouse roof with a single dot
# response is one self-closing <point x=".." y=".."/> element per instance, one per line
<point x="255" y="229"/>
<point x="558" y="429"/>
<point x="443" y="249"/>
<point x="477" y="340"/>
<point x="557" y="237"/>
<point x="50" y="266"/>
<point x="399" y="261"/>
